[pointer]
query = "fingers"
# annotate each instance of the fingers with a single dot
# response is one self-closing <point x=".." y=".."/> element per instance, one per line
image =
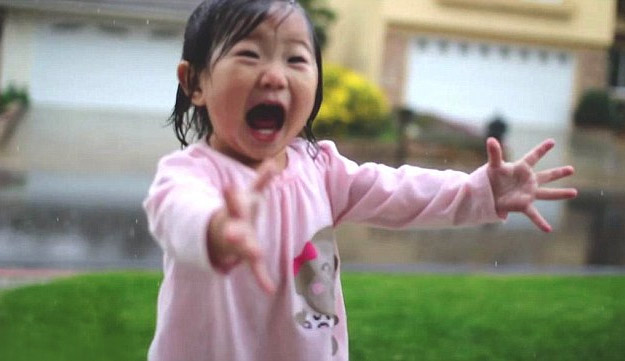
<point x="243" y="247"/>
<point x="554" y="174"/>
<point x="233" y="204"/>
<point x="495" y="155"/>
<point x="242" y="204"/>
<point x="532" y="213"/>
<point x="259" y="269"/>
<point x="251" y="252"/>
<point x="555" y="193"/>
<point x="240" y="239"/>
<point x="534" y="155"/>
<point x="548" y="194"/>
<point x="254" y="257"/>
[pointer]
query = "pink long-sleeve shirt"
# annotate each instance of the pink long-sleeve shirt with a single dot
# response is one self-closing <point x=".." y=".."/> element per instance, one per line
<point x="205" y="315"/>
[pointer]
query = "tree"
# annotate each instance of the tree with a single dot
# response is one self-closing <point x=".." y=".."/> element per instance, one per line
<point x="322" y="17"/>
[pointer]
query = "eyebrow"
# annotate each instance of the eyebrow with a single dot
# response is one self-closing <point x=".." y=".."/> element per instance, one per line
<point x="304" y="43"/>
<point x="256" y="36"/>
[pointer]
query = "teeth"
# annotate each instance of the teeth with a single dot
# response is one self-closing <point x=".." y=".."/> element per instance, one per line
<point x="265" y="131"/>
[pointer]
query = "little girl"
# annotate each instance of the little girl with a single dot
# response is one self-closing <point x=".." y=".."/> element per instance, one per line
<point x="245" y="213"/>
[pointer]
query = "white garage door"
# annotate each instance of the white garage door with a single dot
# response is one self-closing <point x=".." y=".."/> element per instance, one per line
<point x="105" y="65"/>
<point x="473" y="81"/>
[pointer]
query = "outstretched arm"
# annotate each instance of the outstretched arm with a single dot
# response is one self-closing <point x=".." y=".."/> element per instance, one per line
<point x="231" y="235"/>
<point x="516" y="185"/>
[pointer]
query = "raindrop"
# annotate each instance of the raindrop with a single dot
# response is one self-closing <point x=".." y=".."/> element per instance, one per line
<point x="98" y="11"/>
<point x="496" y="263"/>
<point x="602" y="192"/>
<point x="114" y="22"/>
<point x="136" y="221"/>
<point x="18" y="148"/>
<point x="445" y="161"/>
<point x="147" y="22"/>
<point x="57" y="219"/>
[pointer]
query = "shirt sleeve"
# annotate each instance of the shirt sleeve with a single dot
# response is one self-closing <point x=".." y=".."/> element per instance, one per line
<point x="407" y="196"/>
<point x="179" y="206"/>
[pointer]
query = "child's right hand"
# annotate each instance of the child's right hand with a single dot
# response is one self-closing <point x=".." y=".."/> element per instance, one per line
<point x="232" y="233"/>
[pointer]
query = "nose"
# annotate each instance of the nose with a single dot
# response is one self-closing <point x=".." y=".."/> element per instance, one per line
<point x="317" y="288"/>
<point x="273" y="77"/>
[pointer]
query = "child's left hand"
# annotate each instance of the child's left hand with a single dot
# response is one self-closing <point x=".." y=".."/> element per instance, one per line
<point x="516" y="185"/>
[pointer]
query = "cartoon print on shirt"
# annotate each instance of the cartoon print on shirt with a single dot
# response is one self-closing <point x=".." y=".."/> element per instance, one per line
<point x="315" y="278"/>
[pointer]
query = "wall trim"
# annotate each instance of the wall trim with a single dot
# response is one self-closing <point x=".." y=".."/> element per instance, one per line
<point x="563" y="10"/>
<point x="442" y="30"/>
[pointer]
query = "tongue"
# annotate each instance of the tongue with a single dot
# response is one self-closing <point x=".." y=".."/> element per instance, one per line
<point x="264" y="123"/>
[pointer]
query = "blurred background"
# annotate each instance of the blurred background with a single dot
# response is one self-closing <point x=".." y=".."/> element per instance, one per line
<point x="87" y="87"/>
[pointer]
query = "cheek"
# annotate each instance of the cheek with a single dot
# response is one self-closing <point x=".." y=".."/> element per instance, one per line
<point x="224" y="101"/>
<point x="305" y="95"/>
<point x="225" y="90"/>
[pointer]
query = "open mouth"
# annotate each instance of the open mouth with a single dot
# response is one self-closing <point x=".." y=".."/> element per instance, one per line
<point x="265" y="120"/>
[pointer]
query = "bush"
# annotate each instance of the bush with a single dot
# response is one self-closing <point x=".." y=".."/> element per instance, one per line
<point x="12" y="93"/>
<point x="619" y="120"/>
<point x="352" y="106"/>
<point x="596" y="108"/>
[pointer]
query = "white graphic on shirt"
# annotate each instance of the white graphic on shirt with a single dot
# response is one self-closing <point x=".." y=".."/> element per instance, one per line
<point x="315" y="278"/>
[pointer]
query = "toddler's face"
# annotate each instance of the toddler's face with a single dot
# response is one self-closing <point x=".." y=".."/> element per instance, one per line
<point x="260" y="94"/>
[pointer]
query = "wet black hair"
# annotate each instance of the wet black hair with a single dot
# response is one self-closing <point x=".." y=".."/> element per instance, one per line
<point x="217" y="25"/>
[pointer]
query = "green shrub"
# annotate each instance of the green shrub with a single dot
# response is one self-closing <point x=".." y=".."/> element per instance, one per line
<point x="619" y="121"/>
<point x="322" y="17"/>
<point x="352" y="106"/>
<point x="596" y="108"/>
<point x="13" y="93"/>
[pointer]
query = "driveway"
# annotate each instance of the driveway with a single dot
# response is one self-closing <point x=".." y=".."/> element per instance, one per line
<point x="53" y="139"/>
<point x="86" y="173"/>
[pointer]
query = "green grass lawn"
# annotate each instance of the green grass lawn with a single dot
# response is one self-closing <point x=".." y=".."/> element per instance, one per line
<point x="391" y="317"/>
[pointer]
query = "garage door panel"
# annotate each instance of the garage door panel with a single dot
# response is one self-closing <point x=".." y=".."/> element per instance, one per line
<point x="530" y="87"/>
<point x="90" y="67"/>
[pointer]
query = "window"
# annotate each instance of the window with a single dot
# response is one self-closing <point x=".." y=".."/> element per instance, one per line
<point x="504" y="51"/>
<point x="524" y="53"/>
<point x="443" y="45"/>
<point x="67" y="26"/>
<point x="484" y="49"/>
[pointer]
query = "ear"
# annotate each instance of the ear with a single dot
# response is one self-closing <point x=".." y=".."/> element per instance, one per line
<point x="185" y="75"/>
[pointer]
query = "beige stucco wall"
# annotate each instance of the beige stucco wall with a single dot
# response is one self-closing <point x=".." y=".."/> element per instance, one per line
<point x="357" y="39"/>
<point x="582" y="22"/>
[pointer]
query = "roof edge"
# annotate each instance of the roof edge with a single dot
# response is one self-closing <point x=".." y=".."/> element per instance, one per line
<point x="108" y="10"/>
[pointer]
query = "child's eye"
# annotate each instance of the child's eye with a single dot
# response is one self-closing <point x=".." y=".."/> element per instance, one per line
<point x="248" y="54"/>
<point x="297" y="59"/>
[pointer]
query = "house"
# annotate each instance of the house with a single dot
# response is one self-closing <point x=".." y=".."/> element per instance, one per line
<point x="94" y="53"/>
<point x="468" y="60"/>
